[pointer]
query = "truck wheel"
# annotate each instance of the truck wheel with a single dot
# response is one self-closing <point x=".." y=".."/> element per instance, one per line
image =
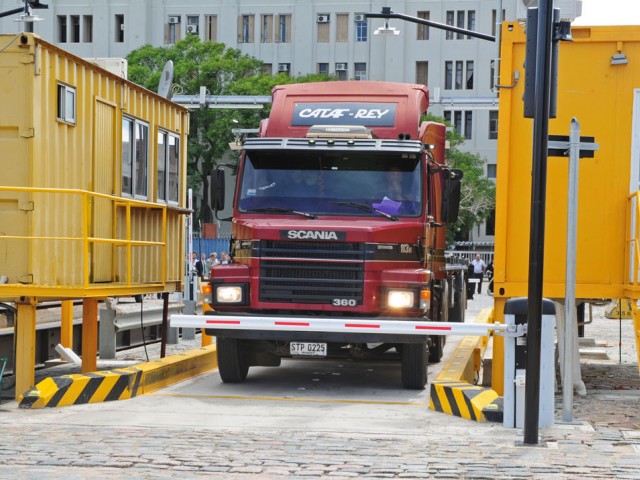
<point x="436" y="348"/>
<point x="413" y="357"/>
<point x="232" y="361"/>
<point x="456" y="313"/>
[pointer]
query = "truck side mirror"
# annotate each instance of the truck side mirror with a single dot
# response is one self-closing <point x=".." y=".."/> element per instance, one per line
<point x="217" y="189"/>
<point x="452" y="179"/>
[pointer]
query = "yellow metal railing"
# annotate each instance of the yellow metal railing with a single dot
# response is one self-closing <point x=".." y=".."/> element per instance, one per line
<point x="88" y="222"/>
<point x="632" y="241"/>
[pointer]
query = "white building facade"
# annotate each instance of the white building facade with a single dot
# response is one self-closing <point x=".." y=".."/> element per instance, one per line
<point x="307" y="36"/>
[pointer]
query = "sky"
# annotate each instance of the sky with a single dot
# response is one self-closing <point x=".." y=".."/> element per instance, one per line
<point x="609" y="12"/>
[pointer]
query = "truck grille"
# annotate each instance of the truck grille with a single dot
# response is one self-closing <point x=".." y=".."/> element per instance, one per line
<point x="311" y="272"/>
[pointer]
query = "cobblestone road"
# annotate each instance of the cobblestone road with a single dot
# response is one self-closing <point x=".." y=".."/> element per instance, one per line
<point x="604" y="442"/>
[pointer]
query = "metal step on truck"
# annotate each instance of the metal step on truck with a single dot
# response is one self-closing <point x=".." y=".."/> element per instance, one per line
<point x="338" y="234"/>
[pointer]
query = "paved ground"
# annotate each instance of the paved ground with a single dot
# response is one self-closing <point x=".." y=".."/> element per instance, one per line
<point x="604" y="442"/>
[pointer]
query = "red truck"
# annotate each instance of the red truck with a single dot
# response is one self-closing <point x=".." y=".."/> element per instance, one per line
<point x="338" y="234"/>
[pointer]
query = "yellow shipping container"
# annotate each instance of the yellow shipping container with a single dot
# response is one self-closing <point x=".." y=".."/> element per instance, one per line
<point x="92" y="179"/>
<point x="604" y="96"/>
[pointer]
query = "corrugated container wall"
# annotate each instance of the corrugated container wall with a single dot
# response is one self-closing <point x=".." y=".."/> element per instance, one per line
<point x="66" y="227"/>
<point x="599" y="85"/>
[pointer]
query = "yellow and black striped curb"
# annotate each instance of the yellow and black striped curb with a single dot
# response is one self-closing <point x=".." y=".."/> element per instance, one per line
<point x="462" y="400"/>
<point x="453" y="392"/>
<point x="120" y="384"/>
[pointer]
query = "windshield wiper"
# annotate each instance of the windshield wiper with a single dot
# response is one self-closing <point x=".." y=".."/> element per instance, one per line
<point x="281" y="210"/>
<point x="366" y="208"/>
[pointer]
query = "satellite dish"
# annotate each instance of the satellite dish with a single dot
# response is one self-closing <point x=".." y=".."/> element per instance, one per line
<point x="164" y="88"/>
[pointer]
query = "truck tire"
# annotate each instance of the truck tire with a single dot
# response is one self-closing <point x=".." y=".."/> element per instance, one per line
<point x="436" y="348"/>
<point x="232" y="361"/>
<point x="413" y="367"/>
<point x="456" y="312"/>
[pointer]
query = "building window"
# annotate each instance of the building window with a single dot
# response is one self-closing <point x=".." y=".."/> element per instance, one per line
<point x="490" y="224"/>
<point x="211" y="28"/>
<point x="468" y="125"/>
<point x="323" y="68"/>
<point x="462" y="122"/>
<point x="267" y="68"/>
<point x="360" y="71"/>
<point x="266" y="28"/>
<point x="422" y="73"/>
<point x="135" y="158"/>
<point x="246" y="25"/>
<point x="471" y="22"/>
<point x="423" y="30"/>
<point x="469" y="75"/>
<point x="119" y="33"/>
<point x="459" y="66"/>
<point x="284" y="68"/>
<point x="323" y="28"/>
<point x="448" y="75"/>
<point x="172" y="30"/>
<point x="493" y="124"/>
<point x="66" y="103"/>
<point x="491" y="170"/>
<point x="491" y="73"/>
<point x="168" y="167"/>
<point x="342" y="27"/>
<point x="495" y="21"/>
<point x="62" y="29"/>
<point x="361" y="28"/>
<point x="193" y="24"/>
<point x="450" y="15"/>
<point x="87" y="28"/>
<point x="284" y="29"/>
<point x="460" y="23"/>
<point x="457" y="121"/>
<point x="75" y="28"/>
<point x="341" y="71"/>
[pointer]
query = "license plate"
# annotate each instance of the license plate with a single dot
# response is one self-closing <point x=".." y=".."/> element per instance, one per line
<point x="308" y="349"/>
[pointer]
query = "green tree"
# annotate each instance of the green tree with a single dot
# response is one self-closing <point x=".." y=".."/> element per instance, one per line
<point x="478" y="193"/>
<point x="222" y="71"/>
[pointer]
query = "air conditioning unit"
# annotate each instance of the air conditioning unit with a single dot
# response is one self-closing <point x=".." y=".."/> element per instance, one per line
<point x="193" y="29"/>
<point x="341" y="66"/>
<point x="323" y="18"/>
<point x="360" y="17"/>
<point x="283" y="67"/>
<point x="569" y="9"/>
<point x="174" y="19"/>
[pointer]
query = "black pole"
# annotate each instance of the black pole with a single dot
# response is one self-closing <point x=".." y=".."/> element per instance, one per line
<point x="538" y="193"/>
<point x="165" y="324"/>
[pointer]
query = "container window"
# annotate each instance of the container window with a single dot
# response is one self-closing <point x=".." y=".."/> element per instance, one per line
<point x="168" y="167"/>
<point x="135" y="158"/>
<point x="67" y="104"/>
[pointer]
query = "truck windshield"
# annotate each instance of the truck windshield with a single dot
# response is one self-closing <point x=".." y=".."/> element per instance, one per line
<point x="331" y="183"/>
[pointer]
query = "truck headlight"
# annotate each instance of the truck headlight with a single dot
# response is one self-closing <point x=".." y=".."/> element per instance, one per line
<point x="400" y="298"/>
<point x="229" y="294"/>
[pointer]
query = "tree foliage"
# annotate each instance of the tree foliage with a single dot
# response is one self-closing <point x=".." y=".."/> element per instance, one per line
<point x="478" y="193"/>
<point x="222" y="71"/>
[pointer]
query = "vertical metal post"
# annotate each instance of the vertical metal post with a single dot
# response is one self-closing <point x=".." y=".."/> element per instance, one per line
<point x="25" y="334"/>
<point x="165" y="324"/>
<point x="570" y="322"/>
<point x="66" y="324"/>
<point x="538" y="193"/>
<point x="89" y="335"/>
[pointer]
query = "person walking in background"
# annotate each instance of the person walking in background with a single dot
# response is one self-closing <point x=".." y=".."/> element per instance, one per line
<point x="479" y="267"/>
<point x="199" y="264"/>
<point x="212" y="261"/>
<point x="490" y="277"/>
<point x="225" y="259"/>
